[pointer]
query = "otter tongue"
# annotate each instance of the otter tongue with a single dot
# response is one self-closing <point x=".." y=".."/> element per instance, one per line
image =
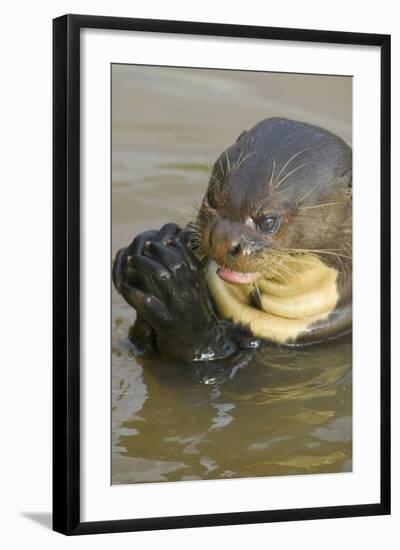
<point x="237" y="278"/>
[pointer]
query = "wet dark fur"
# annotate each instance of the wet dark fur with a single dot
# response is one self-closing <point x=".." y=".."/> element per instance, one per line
<point x="300" y="174"/>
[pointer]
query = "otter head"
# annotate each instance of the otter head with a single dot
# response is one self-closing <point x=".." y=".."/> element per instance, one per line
<point x="281" y="191"/>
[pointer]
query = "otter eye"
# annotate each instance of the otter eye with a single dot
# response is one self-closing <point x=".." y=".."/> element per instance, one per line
<point x="269" y="224"/>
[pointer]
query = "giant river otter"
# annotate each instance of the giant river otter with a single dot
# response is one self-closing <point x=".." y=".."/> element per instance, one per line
<point x="267" y="259"/>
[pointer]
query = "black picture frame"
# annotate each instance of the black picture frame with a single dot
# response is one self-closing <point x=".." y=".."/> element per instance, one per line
<point x="66" y="272"/>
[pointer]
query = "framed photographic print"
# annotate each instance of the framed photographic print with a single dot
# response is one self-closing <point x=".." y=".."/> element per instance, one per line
<point x="221" y="274"/>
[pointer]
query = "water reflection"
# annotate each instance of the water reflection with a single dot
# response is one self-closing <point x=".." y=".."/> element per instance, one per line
<point x="281" y="412"/>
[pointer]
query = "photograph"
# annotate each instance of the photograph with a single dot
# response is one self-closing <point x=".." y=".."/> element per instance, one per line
<point x="232" y="276"/>
<point x="204" y="192"/>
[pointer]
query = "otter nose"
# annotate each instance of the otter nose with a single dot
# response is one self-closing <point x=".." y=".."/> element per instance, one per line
<point x="235" y="248"/>
<point x="230" y="241"/>
<point x="226" y="240"/>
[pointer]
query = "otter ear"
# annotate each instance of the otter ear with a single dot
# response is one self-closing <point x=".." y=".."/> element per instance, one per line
<point x="241" y="135"/>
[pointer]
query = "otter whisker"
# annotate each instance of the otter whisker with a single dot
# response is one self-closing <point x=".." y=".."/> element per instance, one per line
<point x="183" y="210"/>
<point x="277" y="265"/>
<point x="217" y="181"/>
<point x="290" y="160"/>
<point x="298" y="257"/>
<point x="275" y="193"/>
<point x="329" y="251"/>
<point x="194" y="235"/>
<point x="194" y="242"/>
<point x="242" y="151"/>
<point x="196" y="239"/>
<point x="322" y="205"/>
<point x="308" y="193"/>
<point x="272" y="175"/>
<point x="196" y="204"/>
<point x="298" y="260"/>
<point x="303" y="260"/>
<point x="192" y="227"/>
<point x="257" y="290"/>
<point x="228" y="163"/>
<point x="244" y="158"/>
<point x="278" y="273"/>
<point x="306" y="250"/>
<point x="203" y="216"/>
<point x="312" y="249"/>
<point x="285" y="269"/>
<point x="290" y="173"/>
<point x="222" y="168"/>
<point x="185" y="214"/>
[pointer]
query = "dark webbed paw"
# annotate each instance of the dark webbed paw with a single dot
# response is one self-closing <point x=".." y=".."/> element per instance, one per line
<point x="164" y="282"/>
<point x="120" y="269"/>
<point x="142" y="333"/>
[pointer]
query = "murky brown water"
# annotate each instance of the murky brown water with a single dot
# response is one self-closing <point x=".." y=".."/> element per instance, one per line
<point x="278" y="412"/>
